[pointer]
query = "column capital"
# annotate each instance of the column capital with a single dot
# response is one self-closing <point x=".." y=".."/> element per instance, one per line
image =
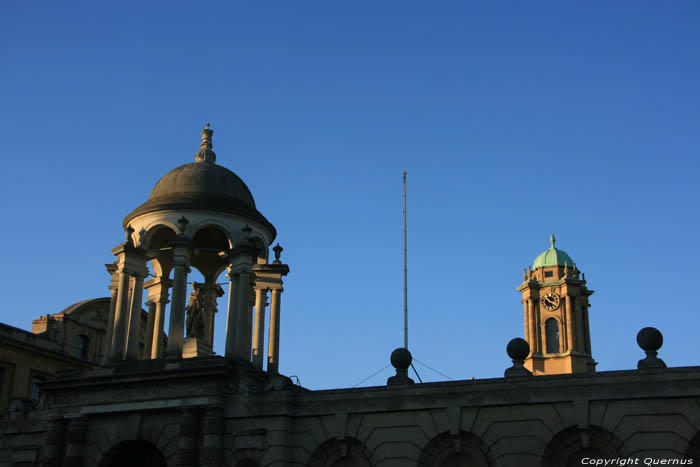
<point x="140" y="274"/>
<point x="241" y="254"/>
<point x="130" y="260"/>
<point x="239" y="268"/>
<point x="111" y="268"/>
<point x="274" y="269"/>
<point x="158" y="288"/>
<point x="181" y="251"/>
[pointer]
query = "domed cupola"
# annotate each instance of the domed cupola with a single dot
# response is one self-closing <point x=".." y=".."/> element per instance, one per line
<point x="203" y="185"/>
<point x="202" y="216"/>
<point x="552" y="257"/>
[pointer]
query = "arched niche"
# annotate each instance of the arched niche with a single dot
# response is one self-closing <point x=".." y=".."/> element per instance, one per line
<point x="208" y="241"/>
<point x="158" y="239"/>
<point x="159" y="236"/>
<point x="571" y="445"/>
<point x="133" y="454"/>
<point x="347" y="452"/>
<point x="552" y="332"/>
<point x="454" y="450"/>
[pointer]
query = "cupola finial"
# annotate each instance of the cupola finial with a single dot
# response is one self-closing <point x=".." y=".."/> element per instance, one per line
<point x="552" y="240"/>
<point x="205" y="154"/>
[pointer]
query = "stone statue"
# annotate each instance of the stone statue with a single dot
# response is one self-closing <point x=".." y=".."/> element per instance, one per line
<point x="195" y="313"/>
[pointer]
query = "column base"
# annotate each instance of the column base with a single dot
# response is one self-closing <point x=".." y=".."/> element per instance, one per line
<point x="194" y="347"/>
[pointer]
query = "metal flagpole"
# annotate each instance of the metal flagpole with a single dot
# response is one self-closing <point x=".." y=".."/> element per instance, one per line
<point x="405" y="270"/>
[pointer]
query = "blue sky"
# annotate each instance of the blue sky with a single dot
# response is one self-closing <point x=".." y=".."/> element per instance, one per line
<point x="514" y="120"/>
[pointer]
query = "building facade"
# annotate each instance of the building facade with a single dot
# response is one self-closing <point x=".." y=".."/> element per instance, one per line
<point x="148" y="401"/>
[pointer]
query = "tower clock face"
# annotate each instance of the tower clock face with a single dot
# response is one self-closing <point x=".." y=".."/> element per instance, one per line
<point x="551" y="301"/>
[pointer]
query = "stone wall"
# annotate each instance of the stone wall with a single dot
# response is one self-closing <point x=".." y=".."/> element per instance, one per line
<point x="209" y="412"/>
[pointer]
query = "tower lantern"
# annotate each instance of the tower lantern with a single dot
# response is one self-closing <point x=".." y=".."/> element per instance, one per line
<point x="555" y="299"/>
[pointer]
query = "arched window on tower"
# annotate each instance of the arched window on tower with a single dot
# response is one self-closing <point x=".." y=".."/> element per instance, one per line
<point x="81" y="346"/>
<point x="551" y="327"/>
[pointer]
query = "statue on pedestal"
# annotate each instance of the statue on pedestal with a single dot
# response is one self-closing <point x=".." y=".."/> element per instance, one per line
<point x="195" y="313"/>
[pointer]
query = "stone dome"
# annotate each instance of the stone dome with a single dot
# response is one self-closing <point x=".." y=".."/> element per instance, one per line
<point x="552" y="257"/>
<point x="202" y="185"/>
<point x="197" y="180"/>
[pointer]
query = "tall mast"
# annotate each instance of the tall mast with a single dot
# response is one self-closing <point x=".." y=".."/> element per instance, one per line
<point x="405" y="270"/>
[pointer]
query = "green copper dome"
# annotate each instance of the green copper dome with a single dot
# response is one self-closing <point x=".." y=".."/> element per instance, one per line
<point x="552" y="257"/>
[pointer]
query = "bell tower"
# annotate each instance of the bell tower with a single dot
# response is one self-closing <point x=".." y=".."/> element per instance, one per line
<point x="555" y="298"/>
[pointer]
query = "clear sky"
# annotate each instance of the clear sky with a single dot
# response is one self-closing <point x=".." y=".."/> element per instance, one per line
<point x="514" y="120"/>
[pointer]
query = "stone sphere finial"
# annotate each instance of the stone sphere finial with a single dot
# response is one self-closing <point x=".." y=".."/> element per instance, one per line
<point x="518" y="349"/>
<point x="650" y="341"/>
<point x="401" y="359"/>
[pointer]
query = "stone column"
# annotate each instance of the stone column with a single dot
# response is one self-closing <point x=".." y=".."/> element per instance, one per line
<point x="273" y="340"/>
<point x="249" y="322"/>
<point x="562" y="336"/>
<point x="186" y="455"/>
<point x="534" y="328"/>
<point x="527" y="322"/>
<point x="176" y="330"/>
<point x="77" y="431"/>
<point x="240" y="269"/>
<point x="121" y="315"/>
<point x="158" y="294"/>
<point x="212" y="292"/>
<point x="259" y="331"/>
<point x="212" y="429"/>
<point x="150" y="323"/>
<point x="586" y="328"/>
<point x="570" y="342"/>
<point x="242" y="318"/>
<point x="231" y="315"/>
<point x="158" y="345"/>
<point x="540" y="327"/>
<point x="113" y="288"/>
<point x="133" y="350"/>
<point x="53" y="442"/>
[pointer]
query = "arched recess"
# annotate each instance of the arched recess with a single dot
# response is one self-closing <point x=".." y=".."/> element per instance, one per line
<point x="208" y="241"/>
<point x="693" y="449"/>
<point x="573" y="444"/>
<point x="159" y="236"/>
<point x="552" y="335"/>
<point x="158" y="239"/>
<point x="347" y="452"/>
<point x="133" y="454"/>
<point x="460" y="450"/>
